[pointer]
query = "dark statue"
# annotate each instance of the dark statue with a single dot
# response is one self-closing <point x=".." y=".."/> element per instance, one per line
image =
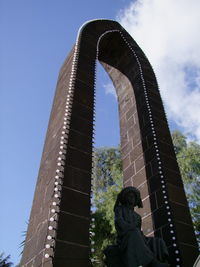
<point x="133" y="248"/>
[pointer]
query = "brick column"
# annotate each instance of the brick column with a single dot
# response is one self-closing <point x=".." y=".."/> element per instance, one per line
<point x="58" y="232"/>
<point x="149" y="161"/>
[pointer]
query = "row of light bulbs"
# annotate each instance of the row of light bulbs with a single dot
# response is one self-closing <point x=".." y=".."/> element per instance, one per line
<point x="155" y="143"/>
<point x="63" y="141"/>
<point x="92" y="224"/>
<point x="60" y="160"/>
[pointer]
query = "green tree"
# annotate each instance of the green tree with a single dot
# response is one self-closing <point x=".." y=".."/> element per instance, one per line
<point x="179" y="141"/>
<point x="188" y="156"/>
<point x="107" y="184"/>
<point x="5" y="261"/>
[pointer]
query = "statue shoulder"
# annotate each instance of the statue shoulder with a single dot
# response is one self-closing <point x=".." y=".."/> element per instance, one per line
<point x="120" y="209"/>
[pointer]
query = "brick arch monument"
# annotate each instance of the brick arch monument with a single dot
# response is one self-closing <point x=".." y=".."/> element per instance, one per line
<point x="58" y="232"/>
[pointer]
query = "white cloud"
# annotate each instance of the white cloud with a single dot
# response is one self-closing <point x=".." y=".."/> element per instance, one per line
<point x="168" y="33"/>
<point x="110" y="89"/>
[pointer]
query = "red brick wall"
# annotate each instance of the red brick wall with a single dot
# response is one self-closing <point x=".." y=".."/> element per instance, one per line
<point x="62" y="196"/>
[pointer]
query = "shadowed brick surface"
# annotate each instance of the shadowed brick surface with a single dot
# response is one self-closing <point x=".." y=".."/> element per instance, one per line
<point x="149" y="161"/>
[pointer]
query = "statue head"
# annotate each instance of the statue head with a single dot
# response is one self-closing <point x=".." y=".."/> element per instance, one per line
<point x="129" y="196"/>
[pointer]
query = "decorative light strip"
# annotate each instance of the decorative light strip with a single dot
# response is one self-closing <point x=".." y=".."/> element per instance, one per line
<point x="92" y="224"/>
<point x="63" y="141"/>
<point x="155" y="143"/>
<point x="91" y="228"/>
<point x="54" y="208"/>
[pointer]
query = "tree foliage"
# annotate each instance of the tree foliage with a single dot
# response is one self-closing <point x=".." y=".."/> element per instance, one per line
<point x="188" y="156"/>
<point x="5" y="261"/>
<point x="108" y="182"/>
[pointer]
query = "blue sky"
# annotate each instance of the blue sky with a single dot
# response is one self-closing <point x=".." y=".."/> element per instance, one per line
<point x="35" y="38"/>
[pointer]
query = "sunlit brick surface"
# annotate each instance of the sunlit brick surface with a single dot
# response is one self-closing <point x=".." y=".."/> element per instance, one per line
<point x="62" y="196"/>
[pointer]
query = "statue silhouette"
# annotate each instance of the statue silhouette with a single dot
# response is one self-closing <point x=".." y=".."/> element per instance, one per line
<point x="133" y="248"/>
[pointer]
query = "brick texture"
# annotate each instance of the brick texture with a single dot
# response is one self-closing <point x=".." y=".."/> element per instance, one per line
<point x="62" y="195"/>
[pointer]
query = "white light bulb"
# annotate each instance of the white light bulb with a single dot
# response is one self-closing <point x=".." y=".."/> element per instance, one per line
<point x="46" y="256"/>
<point x="47" y="246"/>
<point x="50" y="227"/>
